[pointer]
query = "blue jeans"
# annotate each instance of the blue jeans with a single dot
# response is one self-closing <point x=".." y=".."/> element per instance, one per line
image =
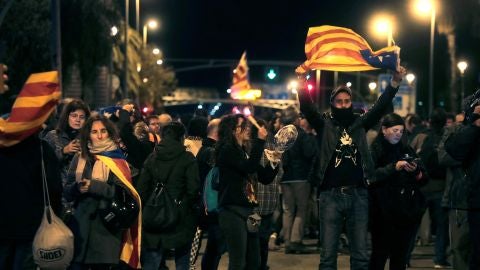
<point x="439" y="217"/>
<point x="151" y="258"/>
<point x="16" y="255"/>
<point x="337" y="206"/>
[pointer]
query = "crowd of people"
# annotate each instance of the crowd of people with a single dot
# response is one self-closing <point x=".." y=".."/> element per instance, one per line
<point x="372" y="176"/>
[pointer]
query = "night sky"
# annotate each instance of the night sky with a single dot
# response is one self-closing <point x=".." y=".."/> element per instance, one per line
<point x="276" y="30"/>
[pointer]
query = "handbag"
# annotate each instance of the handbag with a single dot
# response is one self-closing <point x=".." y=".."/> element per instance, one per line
<point x="161" y="211"/>
<point x="53" y="241"/>
<point x="253" y="223"/>
<point x="121" y="212"/>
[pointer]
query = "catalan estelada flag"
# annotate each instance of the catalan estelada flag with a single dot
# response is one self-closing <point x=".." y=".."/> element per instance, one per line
<point x="240" y="75"/>
<point x="131" y="239"/>
<point x="33" y="105"/>
<point x="241" y="88"/>
<point x="341" y="49"/>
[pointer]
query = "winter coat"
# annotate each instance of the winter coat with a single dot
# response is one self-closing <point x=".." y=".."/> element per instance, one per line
<point x="58" y="140"/>
<point x="329" y="132"/>
<point x="94" y="243"/>
<point x="171" y="158"/>
<point x="464" y="145"/>
<point x="456" y="186"/>
<point x="396" y="195"/>
<point x="21" y="199"/>
<point x="236" y="172"/>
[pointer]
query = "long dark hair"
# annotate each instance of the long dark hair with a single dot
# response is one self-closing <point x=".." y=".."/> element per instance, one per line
<point x="226" y="129"/>
<point x="391" y="120"/>
<point x="75" y="104"/>
<point x="85" y="133"/>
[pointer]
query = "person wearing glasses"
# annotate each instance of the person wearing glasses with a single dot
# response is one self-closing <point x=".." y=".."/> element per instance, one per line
<point x="64" y="139"/>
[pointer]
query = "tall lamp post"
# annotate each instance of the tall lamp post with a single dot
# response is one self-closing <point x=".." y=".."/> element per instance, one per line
<point x="152" y="24"/>
<point x="428" y="7"/>
<point x="462" y="66"/>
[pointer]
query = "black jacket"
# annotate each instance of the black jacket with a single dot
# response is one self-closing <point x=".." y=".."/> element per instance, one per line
<point x="235" y="168"/>
<point x="456" y="186"/>
<point x="464" y="145"/>
<point x="171" y="157"/>
<point x="21" y="199"/>
<point x="297" y="161"/>
<point x="206" y="158"/>
<point x="329" y="132"/>
<point x="395" y="195"/>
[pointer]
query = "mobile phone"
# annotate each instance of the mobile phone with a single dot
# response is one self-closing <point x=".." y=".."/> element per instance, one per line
<point x="408" y="158"/>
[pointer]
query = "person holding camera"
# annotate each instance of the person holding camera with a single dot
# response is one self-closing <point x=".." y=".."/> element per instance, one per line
<point x="463" y="145"/>
<point x="396" y="202"/>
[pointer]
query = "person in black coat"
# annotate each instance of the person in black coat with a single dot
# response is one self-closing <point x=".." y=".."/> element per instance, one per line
<point x="464" y="146"/>
<point x="236" y="193"/>
<point x="177" y="168"/>
<point x="396" y="203"/>
<point x="21" y="199"/>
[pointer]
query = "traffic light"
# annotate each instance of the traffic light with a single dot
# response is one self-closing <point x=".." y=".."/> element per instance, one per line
<point x="271" y="73"/>
<point x="3" y="78"/>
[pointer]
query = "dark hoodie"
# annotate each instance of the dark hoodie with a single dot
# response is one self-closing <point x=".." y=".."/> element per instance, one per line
<point x="173" y="165"/>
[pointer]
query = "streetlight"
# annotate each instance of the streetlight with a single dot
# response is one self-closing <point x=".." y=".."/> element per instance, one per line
<point x="382" y="25"/>
<point x="410" y="78"/>
<point x="152" y="24"/>
<point x="372" y="86"/>
<point x="349" y="84"/>
<point x="428" y="7"/>
<point x="462" y="66"/>
<point x="156" y="51"/>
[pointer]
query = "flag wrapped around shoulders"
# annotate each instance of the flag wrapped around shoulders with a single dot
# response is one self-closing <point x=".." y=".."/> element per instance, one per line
<point x="33" y="105"/>
<point x="131" y="239"/>
<point x="341" y="49"/>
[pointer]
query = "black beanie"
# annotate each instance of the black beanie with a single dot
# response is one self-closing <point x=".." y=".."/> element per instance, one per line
<point x="340" y="88"/>
<point x="392" y="119"/>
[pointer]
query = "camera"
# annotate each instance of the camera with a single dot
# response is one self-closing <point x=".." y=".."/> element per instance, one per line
<point x="470" y="103"/>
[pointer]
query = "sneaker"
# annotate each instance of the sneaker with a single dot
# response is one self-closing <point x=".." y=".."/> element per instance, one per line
<point x="444" y="265"/>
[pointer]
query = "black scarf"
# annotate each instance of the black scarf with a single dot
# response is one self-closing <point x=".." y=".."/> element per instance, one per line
<point x="344" y="116"/>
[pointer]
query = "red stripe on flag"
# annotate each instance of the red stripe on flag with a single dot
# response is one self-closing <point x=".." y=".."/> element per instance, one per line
<point x="334" y="40"/>
<point x="123" y="167"/>
<point x="27" y="114"/>
<point x="38" y="89"/>
<point x="315" y="35"/>
<point x="342" y="52"/>
<point x="18" y="136"/>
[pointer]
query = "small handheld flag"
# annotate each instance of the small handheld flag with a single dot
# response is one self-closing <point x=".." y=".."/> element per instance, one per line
<point x="341" y="49"/>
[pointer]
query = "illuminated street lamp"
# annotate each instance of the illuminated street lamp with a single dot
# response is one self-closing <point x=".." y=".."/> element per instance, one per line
<point x="372" y="86"/>
<point x="427" y="7"/>
<point x="462" y="66"/>
<point x="382" y="25"/>
<point x="156" y="51"/>
<point x="349" y="84"/>
<point x="113" y="31"/>
<point x="410" y="78"/>
<point x="152" y="24"/>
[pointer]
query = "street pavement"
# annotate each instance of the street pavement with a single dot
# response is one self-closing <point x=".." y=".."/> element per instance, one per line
<point x="278" y="260"/>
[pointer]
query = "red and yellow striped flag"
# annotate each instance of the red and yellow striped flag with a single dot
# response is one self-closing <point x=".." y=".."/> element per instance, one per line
<point x="33" y="105"/>
<point x="241" y="88"/>
<point x="341" y="49"/>
<point x="131" y="239"/>
<point x="240" y="75"/>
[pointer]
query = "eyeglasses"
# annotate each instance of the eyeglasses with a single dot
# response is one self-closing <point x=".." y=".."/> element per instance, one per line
<point x="79" y="116"/>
